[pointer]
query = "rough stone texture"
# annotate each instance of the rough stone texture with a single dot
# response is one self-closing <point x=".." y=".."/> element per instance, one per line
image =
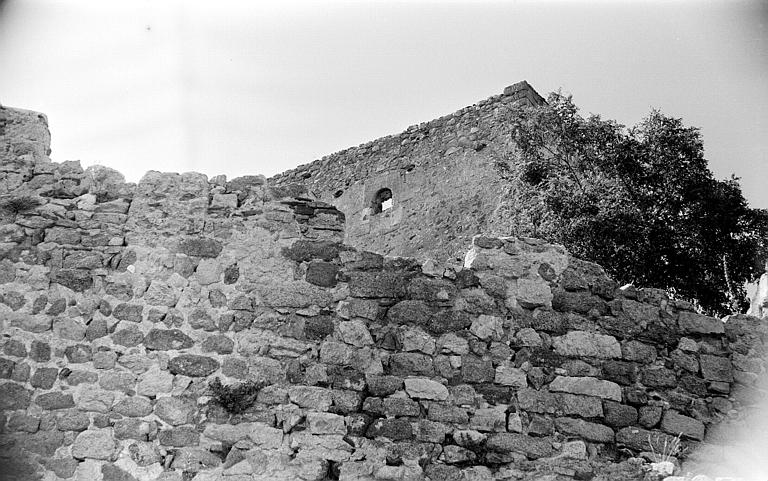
<point x="586" y="430"/>
<point x="675" y="424"/>
<point x="419" y="166"/>
<point x="95" y="444"/>
<point x="121" y="303"/>
<point x="587" y="344"/>
<point x="193" y="365"/>
<point x="587" y="386"/>
<point x="420" y="388"/>
<point x="714" y="368"/>
<point x="692" y="323"/>
<point x="532" y="447"/>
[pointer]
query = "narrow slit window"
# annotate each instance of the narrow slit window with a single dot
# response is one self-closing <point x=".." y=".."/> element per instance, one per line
<point x="382" y="201"/>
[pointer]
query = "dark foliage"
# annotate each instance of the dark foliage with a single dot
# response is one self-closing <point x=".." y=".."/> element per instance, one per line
<point x="642" y="202"/>
<point x="235" y="398"/>
<point x="16" y="205"/>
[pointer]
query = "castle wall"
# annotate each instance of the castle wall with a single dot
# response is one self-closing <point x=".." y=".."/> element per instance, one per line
<point x="444" y="175"/>
<point x="121" y="303"/>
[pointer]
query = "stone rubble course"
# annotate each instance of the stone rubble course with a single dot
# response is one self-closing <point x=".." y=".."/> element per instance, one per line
<point x="120" y="304"/>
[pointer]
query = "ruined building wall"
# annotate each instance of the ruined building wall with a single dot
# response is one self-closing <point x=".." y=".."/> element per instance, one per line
<point x="443" y="176"/>
<point x="120" y="303"/>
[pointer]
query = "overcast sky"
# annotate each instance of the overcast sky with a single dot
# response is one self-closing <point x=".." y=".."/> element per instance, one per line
<point x="244" y="87"/>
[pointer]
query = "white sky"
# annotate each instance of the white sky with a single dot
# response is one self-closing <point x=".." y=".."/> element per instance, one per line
<point x="246" y="87"/>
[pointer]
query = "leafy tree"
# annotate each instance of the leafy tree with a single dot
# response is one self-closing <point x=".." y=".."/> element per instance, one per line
<point x="640" y="201"/>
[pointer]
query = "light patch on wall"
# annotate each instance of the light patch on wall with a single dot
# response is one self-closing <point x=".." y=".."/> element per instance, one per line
<point x="387" y="204"/>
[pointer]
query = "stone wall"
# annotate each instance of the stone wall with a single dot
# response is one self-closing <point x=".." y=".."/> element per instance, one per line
<point x="120" y="304"/>
<point x="443" y="175"/>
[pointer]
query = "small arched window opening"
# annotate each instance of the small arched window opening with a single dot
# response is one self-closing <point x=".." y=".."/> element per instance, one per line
<point x="382" y="201"/>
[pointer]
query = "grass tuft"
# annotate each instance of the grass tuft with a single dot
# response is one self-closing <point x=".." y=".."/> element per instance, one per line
<point x="235" y="398"/>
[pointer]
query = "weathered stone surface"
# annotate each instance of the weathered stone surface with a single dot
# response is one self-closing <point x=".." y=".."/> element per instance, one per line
<point x="40" y="351"/>
<point x="22" y="422"/>
<point x="639" y="312"/>
<point x="96" y="329"/>
<point x="620" y="372"/>
<point x="531" y="293"/>
<point x="95" y="400"/>
<point x="128" y="312"/>
<point x="200" y="247"/>
<point x="79" y="280"/>
<point x="619" y="415"/>
<point x="332" y="352"/>
<point x="384" y="385"/>
<point x="489" y="419"/>
<point x="411" y="364"/>
<point x="95" y="444"/>
<point x="394" y="429"/>
<point x="179" y="437"/>
<point x="55" y="400"/>
<point x="173" y="410"/>
<point x="326" y="423"/>
<point x="587" y="386"/>
<point x="557" y="403"/>
<point x="208" y="271"/>
<point x="417" y="340"/>
<point x="219" y="344"/>
<point x="72" y="421"/>
<point x="44" y="443"/>
<point x="160" y="294"/>
<point x="693" y="323"/>
<point x="488" y="328"/>
<point x="447" y="414"/>
<point x="657" y="377"/>
<point x="67" y="328"/>
<point x="533" y="448"/>
<point x="581" y="343"/>
<point x="129" y="337"/>
<point x="675" y="423"/>
<point x="44" y="377"/>
<point x="377" y="284"/>
<point x="476" y="370"/>
<point x="224" y="201"/>
<point x="511" y="376"/>
<point x="194" y="460"/>
<point x="322" y="273"/>
<point x="200" y="318"/>
<point x="400" y="406"/>
<point x="117" y="381"/>
<point x="586" y="430"/>
<point x="229" y="433"/>
<point x="649" y="416"/>
<point x="580" y="302"/>
<point x="104" y="359"/>
<point x="311" y="397"/>
<point x="715" y="368"/>
<point x="528" y="337"/>
<point x="421" y="388"/>
<point x="134" y="406"/>
<point x="305" y="250"/>
<point x="114" y="473"/>
<point x="133" y="428"/>
<point x="37" y="324"/>
<point x="192" y="365"/>
<point x="355" y="333"/>
<point x="62" y="467"/>
<point x="167" y="339"/>
<point x="457" y="455"/>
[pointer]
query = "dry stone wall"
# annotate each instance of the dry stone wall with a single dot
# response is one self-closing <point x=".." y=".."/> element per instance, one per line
<point x="121" y="304"/>
<point x="443" y="176"/>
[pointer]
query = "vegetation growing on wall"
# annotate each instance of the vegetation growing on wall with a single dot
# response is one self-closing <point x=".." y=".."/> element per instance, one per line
<point x="640" y="201"/>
